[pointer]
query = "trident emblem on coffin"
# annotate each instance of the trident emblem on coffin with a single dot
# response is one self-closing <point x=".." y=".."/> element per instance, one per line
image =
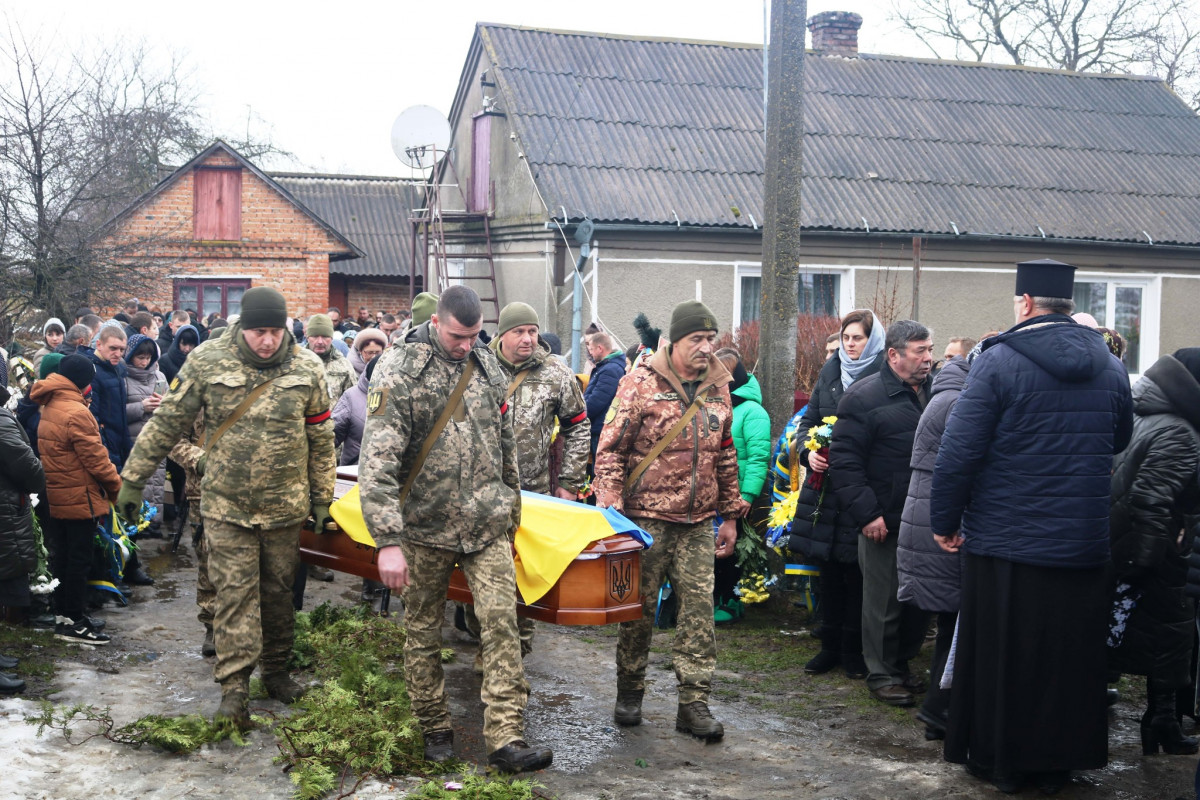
<point x="620" y="578"/>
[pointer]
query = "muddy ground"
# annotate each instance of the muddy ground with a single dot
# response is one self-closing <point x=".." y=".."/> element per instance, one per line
<point x="788" y="735"/>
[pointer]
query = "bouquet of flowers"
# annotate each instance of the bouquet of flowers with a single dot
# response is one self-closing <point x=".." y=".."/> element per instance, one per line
<point x="783" y="511"/>
<point x="818" y="441"/>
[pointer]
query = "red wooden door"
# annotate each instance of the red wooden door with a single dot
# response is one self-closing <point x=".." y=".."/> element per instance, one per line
<point x="217" y="204"/>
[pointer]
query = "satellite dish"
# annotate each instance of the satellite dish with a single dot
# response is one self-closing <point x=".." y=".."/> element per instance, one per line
<point x="420" y="136"/>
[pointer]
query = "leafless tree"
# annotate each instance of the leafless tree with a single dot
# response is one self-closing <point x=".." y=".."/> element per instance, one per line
<point x="1139" y="36"/>
<point x="81" y="137"/>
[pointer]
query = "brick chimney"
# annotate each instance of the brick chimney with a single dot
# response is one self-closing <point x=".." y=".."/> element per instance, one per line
<point x="835" y="33"/>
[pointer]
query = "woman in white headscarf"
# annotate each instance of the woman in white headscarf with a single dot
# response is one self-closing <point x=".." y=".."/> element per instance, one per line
<point x="832" y="543"/>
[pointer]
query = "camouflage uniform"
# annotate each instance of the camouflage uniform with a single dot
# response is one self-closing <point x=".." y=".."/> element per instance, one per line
<point x="186" y="453"/>
<point x="676" y="498"/>
<point x="339" y="374"/>
<point x="464" y="509"/>
<point x="549" y="393"/>
<point x="259" y="483"/>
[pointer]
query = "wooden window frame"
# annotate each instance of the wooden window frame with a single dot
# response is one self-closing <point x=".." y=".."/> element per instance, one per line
<point x="201" y="283"/>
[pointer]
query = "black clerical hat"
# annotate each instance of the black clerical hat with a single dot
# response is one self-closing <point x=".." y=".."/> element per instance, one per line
<point x="1045" y="278"/>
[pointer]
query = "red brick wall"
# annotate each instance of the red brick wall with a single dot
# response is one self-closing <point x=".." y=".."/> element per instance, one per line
<point x="281" y="246"/>
<point x="377" y="293"/>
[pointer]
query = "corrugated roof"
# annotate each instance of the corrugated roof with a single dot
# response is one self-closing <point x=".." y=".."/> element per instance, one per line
<point x="647" y="131"/>
<point x="370" y="211"/>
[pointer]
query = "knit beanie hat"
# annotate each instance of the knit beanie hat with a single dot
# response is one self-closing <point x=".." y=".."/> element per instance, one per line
<point x="49" y="365"/>
<point x="1190" y="358"/>
<point x="77" y="369"/>
<point x="263" y="307"/>
<point x="516" y="314"/>
<point x="691" y="316"/>
<point x="318" y="325"/>
<point x="423" y="306"/>
<point x="53" y="322"/>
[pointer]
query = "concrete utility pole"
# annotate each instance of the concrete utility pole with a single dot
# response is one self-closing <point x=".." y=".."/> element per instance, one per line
<point x="781" y="226"/>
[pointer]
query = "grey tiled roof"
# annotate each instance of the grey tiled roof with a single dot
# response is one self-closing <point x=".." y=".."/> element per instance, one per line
<point x="655" y="131"/>
<point x="371" y="212"/>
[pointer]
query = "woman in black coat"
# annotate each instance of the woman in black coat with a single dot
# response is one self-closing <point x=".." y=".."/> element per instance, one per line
<point x="1154" y="486"/>
<point x="833" y="546"/>
<point x="20" y="476"/>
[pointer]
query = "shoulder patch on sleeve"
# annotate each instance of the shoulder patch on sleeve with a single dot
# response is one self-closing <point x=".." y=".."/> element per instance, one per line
<point x="612" y="410"/>
<point x="376" y="401"/>
<point x="174" y="383"/>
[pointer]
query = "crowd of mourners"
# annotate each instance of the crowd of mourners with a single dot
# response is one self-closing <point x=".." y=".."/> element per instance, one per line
<point x="1014" y="500"/>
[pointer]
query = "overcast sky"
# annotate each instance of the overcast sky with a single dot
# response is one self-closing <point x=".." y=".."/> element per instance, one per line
<point x="328" y="79"/>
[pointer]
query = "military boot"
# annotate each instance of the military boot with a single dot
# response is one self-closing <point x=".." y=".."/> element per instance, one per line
<point x="439" y="746"/>
<point x="209" y="648"/>
<point x="282" y="687"/>
<point x="516" y="756"/>
<point x="628" y="711"/>
<point x="696" y="719"/>
<point x="235" y="701"/>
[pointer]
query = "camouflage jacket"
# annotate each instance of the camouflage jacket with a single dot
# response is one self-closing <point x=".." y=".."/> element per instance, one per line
<point x="697" y="475"/>
<point x="276" y="460"/>
<point x="340" y="376"/>
<point x="186" y="453"/>
<point x="549" y="392"/>
<point x="468" y="491"/>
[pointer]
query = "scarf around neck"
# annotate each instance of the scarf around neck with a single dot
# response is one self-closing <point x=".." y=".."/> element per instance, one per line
<point x="853" y="370"/>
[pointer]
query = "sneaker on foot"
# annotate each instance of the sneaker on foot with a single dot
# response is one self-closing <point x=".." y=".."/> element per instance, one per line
<point x="80" y="633"/>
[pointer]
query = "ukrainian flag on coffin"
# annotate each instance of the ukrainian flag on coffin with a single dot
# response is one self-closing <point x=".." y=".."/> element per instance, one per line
<point x="552" y="533"/>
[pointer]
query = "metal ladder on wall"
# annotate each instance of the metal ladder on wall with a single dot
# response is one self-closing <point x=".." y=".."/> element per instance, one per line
<point x="449" y="236"/>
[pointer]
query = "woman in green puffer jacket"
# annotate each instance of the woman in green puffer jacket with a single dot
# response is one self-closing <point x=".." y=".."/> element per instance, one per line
<point x="752" y="440"/>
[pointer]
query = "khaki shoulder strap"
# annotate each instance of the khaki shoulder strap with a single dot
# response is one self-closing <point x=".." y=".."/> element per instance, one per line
<point x="244" y="406"/>
<point x="662" y="443"/>
<point x="455" y="398"/>
<point x="210" y="441"/>
<point x="516" y="381"/>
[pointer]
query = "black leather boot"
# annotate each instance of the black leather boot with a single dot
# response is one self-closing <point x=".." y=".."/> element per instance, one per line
<point x="1160" y="726"/>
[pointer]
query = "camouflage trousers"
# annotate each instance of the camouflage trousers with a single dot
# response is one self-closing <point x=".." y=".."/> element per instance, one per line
<point x="525" y="628"/>
<point x="492" y="579"/>
<point x="206" y="596"/>
<point x="252" y="570"/>
<point x="682" y="553"/>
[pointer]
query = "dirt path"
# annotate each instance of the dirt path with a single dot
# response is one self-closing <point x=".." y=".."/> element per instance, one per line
<point x="788" y="735"/>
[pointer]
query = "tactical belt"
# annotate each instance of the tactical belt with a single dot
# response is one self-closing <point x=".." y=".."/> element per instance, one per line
<point x="436" y="431"/>
<point x="658" y="448"/>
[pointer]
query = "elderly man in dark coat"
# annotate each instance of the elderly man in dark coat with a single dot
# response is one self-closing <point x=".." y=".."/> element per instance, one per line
<point x="1021" y="484"/>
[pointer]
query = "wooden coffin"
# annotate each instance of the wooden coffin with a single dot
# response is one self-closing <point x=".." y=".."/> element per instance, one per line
<point x="600" y="587"/>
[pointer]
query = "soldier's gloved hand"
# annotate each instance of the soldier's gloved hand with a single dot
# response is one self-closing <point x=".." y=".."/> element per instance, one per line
<point x="321" y="516"/>
<point x="201" y="464"/>
<point x="129" y="501"/>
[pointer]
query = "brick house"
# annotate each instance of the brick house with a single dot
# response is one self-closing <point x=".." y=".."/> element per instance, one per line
<point x="219" y="225"/>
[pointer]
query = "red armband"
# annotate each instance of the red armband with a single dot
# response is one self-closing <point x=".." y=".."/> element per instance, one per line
<point x="317" y="419"/>
<point x="727" y="442"/>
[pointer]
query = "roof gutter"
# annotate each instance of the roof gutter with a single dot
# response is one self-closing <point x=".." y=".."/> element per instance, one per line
<point x="625" y="227"/>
